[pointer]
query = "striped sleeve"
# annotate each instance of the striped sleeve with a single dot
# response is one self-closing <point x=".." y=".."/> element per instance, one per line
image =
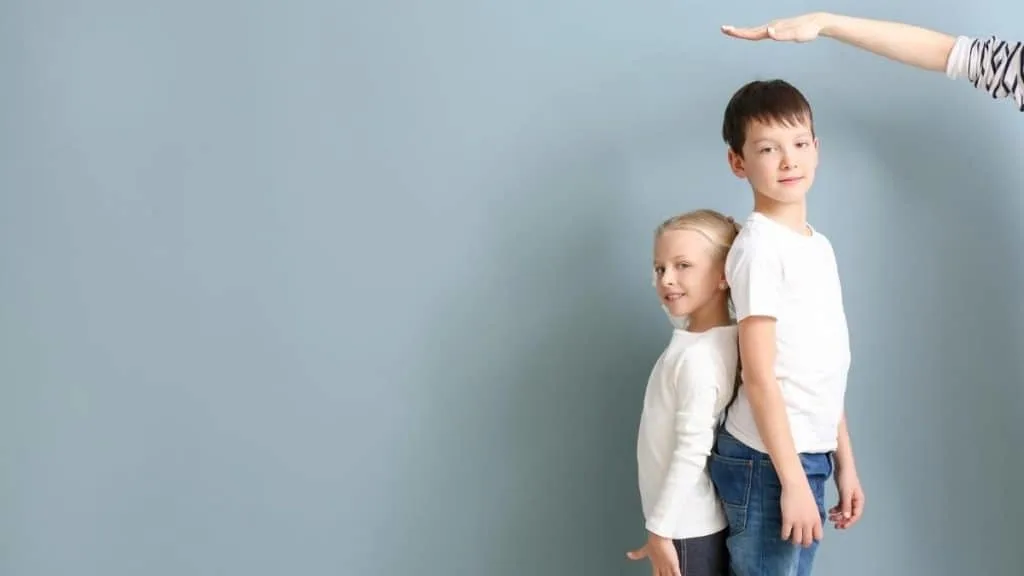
<point x="991" y="65"/>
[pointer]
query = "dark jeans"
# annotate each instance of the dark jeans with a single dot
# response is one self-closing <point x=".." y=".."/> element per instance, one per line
<point x="751" y="493"/>
<point x="704" y="555"/>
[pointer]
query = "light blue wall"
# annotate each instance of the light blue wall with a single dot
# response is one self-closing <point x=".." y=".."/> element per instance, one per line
<point x="362" y="288"/>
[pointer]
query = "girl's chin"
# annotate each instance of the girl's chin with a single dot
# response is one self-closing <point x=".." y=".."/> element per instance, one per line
<point x="677" y="310"/>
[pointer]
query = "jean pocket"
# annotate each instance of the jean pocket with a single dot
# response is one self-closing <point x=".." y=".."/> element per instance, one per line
<point x="733" y="478"/>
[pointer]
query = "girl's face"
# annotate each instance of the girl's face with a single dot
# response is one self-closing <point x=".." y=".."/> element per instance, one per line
<point x="687" y="275"/>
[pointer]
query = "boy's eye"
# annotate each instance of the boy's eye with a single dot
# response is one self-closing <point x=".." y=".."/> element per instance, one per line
<point x="682" y="265"/>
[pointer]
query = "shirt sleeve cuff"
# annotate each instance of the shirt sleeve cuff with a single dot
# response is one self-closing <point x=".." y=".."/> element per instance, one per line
<point x="658" y="527"/>
<point x="959" y="58"/>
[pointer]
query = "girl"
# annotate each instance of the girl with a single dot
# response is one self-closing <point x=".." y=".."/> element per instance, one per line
<point x="690" y="386"/>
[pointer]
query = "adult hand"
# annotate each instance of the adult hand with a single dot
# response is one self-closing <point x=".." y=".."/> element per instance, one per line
<point x="803" y="28"/>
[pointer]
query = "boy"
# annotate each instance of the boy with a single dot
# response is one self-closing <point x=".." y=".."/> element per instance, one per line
<point x="787" y="426"/>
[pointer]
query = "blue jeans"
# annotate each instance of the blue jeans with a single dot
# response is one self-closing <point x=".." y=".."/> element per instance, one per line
<point x="751" y="494"/>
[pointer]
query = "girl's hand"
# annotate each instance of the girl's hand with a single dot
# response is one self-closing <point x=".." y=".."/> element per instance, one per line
<point x="802" y="28"/>
<point x="662" y="553"/>
<point x="851" y="500"/>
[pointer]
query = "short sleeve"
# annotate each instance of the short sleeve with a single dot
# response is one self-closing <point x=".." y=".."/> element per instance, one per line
<point x="755" y="275"/>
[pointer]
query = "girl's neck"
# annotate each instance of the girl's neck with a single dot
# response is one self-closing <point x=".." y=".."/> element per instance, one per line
<point x="712" y="315"/>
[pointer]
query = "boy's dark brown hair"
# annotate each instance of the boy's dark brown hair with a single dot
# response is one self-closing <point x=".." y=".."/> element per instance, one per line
<point x="765" y="101"/>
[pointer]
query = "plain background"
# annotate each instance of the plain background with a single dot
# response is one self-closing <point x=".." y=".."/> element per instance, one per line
<point x="319" y="287"/>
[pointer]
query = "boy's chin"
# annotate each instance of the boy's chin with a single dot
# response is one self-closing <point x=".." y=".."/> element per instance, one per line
<point x="784" y="197"/>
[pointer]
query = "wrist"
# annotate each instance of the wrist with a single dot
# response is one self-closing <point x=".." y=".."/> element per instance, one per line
<point x="828" y="24"/>
<point x="653" y="537"/>
<point x="844" y="468"/>
<point x="792" y="476"/>
<point x="794" y="482"/>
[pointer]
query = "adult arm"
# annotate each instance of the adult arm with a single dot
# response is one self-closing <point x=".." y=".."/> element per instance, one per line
<point x="990" y="64"/>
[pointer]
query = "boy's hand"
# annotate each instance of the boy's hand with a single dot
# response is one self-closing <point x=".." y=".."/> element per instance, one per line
<point x="801" y="521"/>
<point x="851" y="500"/>
<point x="802" y="28"/>
<point x="662" y="553"/>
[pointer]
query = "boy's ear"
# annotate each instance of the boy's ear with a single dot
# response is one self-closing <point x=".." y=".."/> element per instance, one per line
<point x="736" y="163"/>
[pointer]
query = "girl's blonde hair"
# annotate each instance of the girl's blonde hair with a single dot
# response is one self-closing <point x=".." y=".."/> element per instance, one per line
<point x="719" y="229"/>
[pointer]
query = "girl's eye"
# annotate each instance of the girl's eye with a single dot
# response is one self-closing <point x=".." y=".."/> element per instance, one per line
<point x="659" y="270"/>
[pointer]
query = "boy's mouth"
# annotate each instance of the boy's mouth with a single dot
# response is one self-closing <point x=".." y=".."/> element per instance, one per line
<point x="790" y="180"/>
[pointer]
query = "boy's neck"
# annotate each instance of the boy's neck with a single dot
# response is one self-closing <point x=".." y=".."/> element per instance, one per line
<point x="792" y="216"/>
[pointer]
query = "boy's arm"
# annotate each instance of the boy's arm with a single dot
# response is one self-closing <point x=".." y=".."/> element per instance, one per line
<point x="695" y="399"/>
<point x="851" y="494"/>
<point x="844" y="449"/>
<point x="757" y="350"/>
<point x="755" y="276"/>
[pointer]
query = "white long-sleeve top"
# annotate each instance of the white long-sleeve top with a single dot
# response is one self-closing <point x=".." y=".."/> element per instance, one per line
<point x="689" y="388"/>
<point x="992" y="65"/>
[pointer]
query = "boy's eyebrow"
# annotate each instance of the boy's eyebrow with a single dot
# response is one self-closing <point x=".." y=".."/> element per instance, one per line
<point x="805" y="134"/>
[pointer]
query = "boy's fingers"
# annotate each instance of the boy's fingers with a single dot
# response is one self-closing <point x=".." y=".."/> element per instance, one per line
<point x="858" y="506"/>
<point x="847" y="503"/>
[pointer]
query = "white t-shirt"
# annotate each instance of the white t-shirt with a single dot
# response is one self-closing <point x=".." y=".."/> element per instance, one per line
<point x="688" y="389"/>
<point x="774" y="271"/>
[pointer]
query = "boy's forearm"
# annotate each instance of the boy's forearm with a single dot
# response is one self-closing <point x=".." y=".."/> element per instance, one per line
<point x="913" y="45"/>
<point x="844" y="448"/>
<point x="769" y="410"/>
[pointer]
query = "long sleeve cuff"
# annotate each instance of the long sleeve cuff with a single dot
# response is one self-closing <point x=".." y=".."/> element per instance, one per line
<point x="957" y="64"/>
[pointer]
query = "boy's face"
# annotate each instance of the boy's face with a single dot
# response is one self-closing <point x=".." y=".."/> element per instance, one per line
<point x="686" y="274"/>
<point x="778" y="160"/>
